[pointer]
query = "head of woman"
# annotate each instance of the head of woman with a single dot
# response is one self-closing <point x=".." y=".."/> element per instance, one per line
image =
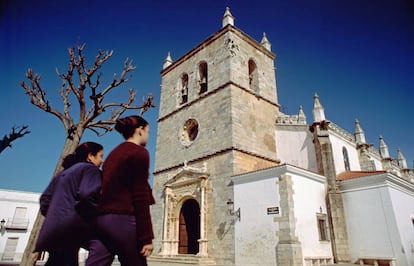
<point x="133" y="128"/>
<point x="86" y="152"/>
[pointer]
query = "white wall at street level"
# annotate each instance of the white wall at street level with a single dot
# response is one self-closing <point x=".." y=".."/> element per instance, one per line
<point x="256" y="234"/>
<point x="380" y="213"/>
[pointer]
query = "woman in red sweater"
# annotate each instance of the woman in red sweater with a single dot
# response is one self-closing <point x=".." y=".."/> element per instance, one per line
<point x="124" y="222"/>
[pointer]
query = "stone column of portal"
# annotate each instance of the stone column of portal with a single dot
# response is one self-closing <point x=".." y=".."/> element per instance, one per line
<point x="203" y="236"/>
<point x="175" y="238"/>
<point x="166" y="243"/>
<point x="288" y="248"/>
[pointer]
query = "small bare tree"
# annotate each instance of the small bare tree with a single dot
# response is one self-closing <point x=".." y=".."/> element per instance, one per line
<point x="17" y="132"/>
<point x="80" y="81"/>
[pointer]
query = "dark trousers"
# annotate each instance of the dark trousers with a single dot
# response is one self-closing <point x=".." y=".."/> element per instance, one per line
<point x="65" y="257"/>
<point x="117" y="236"/>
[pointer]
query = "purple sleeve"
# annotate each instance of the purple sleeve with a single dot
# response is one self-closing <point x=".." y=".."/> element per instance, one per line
<point x="89" y="192"/>
<point x="46" y="196"/>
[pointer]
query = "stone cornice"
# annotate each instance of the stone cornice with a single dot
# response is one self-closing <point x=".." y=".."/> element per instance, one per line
<point x="342" y="132"/>
<point x="223" y="151"/>
<point x="210" y="92"/>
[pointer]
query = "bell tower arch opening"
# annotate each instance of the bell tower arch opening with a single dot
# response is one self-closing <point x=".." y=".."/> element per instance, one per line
<point x="184" y="88"/>
<point x="202" y="69"/>
<point x="253" y="76"/>
<point x="189" y="227"/>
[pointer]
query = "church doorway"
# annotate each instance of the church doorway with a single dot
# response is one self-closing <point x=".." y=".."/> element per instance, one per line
<point x="189" y="230"/>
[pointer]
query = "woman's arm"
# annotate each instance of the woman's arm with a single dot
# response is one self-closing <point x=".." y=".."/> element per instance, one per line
<point x="142" y="198"/>
<point x="47" y="195"/>
<point x="89" y="192"/>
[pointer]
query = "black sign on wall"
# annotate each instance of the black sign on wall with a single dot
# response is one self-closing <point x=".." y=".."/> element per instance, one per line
<point x="273" y="210"/>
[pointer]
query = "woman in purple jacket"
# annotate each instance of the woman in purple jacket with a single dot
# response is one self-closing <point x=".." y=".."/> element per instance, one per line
<point x="69" y="205"/>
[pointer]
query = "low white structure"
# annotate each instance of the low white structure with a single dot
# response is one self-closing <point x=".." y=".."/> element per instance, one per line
<point x="18" y="210"/>
<point x="379" y="211"/>
<point x="283" y="205"/>
<point x="286" y="204"/>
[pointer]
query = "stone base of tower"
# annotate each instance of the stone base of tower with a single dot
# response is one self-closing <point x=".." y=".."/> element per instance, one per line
<point x="289" y="253"/>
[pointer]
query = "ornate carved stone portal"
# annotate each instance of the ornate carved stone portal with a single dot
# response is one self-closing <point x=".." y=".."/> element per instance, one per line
<point x="185" y="212"/>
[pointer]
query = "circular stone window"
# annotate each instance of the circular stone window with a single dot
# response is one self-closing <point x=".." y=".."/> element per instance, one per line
<point x="189" y="132"/>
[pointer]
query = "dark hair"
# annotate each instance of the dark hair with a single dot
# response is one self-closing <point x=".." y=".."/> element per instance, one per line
<point x="81" y="153"/>
<point x="127" y="125"/>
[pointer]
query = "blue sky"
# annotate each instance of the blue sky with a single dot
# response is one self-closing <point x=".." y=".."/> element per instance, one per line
<point x="356" y="54"/>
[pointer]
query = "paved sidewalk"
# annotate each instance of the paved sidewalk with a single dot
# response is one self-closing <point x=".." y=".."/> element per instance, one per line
<point x="158" y="263"/>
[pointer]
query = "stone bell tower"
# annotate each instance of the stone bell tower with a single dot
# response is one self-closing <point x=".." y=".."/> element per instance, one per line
<point x="218" y="106"/>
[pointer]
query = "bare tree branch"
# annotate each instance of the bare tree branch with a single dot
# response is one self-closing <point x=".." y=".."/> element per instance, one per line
<point x="107" y="125"/>
<point x="78" y="70"/>
<point x="128" y="66"/>
<point x="17" y="132"/>
<point x="148" y="103"/>
<point x="38" y="95"/>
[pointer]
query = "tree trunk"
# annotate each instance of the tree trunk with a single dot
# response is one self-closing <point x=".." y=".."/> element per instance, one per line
<point x="29" y="256"/>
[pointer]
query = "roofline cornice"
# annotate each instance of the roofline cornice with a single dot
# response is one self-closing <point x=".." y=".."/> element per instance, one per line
<point x="212" y="38"/>
<point x="275" y="172"/>
<point x="377" y="181"/>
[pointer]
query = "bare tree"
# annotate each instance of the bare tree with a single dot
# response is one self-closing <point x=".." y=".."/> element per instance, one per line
<point x="80" y="81"/>
<point x="17" y="132"/>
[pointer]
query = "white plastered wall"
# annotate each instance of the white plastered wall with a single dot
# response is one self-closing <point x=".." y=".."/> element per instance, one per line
<point x="294" y="146"/>
<point x="256" y="232"/>
<point x="338" y="144"/>
<point x="378" y="210"/>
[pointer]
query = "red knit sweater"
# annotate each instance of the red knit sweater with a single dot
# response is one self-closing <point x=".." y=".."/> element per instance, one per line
<point x="125" y="188"/>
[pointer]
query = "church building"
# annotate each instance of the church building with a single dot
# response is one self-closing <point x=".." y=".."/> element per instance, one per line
<point x="238" y="182"/>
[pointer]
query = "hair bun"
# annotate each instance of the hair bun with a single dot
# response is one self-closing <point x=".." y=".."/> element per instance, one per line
<point x="121" y="124"/>
<point x="127" y="125"/>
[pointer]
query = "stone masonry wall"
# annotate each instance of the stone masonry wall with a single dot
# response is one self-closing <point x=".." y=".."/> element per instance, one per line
<point x="248" y="50"/>
<point x="213" y="115"/>
<point x="215" y="55"/>
<point x="253" y="124"/>
<point x="289" y="248"/>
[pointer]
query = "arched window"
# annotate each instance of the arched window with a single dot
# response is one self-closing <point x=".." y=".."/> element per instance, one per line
<point x="346" y="159"/>
<point x="202" y="71"/>
<point x="184" y="88"/>
<point x="253" y="76"/>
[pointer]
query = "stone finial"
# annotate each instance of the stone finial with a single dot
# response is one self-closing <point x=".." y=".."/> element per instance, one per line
<point x="228" y="18"/>
<point x="265" y="42"/>
<point x="359" y="133"/>
<point x="402" y="162"/>
<point x="168" y="61"/>
<point x="383" y="149"/>
<point x="318" y="110"/>
<point x="301" y="116"/>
